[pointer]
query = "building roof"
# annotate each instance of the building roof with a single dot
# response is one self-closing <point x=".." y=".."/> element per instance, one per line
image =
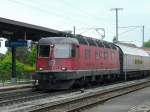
<point x="19" y="30"/>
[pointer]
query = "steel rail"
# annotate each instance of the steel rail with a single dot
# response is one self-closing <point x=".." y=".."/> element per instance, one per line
<point x="24" y="98"/>
<point x="73" y="103"/>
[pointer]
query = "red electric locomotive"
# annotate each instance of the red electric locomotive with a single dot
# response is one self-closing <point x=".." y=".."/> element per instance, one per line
<point x="66" y="61"/>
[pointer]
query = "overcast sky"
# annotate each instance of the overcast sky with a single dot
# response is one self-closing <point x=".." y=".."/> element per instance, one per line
<point x="64" y="14"/>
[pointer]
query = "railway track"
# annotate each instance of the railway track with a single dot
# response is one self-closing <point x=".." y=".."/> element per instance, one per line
<point x="18" y="96"/>
<point x="6" y="101"/>
<point x="67" y="101"/>
<point x="12" y="91"/>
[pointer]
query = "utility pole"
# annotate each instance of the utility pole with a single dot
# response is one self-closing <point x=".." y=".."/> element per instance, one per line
<point x="116" y="10"/>
<point x="74" y="31"/>
<point x="13" y="79"/>
<point x="143" y="36"/>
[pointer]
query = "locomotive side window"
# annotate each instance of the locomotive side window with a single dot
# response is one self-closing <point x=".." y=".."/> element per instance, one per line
<point x="113" y="55"/>
<point x="97" y="54"/>
<point x="105" y="54"/>
<point x="44" y="50"/>
<point x="63" y="51"/>
<point x="87" y="53"/>
<point x="100" y="54"/>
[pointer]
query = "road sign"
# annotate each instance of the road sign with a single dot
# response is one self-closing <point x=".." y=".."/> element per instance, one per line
<point x="17" y="43"/>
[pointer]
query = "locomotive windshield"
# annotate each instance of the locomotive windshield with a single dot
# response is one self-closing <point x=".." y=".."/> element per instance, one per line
<point x="63" y="51"/>
<point x="60" y="51"/>
<point x="44" y="50"/>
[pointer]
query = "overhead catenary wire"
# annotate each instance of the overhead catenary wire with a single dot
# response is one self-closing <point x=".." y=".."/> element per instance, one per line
<point x="56" y="14"/>
<point x="95" y="31"/>
<point x="128" y="31"/>
<point x="60" y="15"/>
<point x="66" y="13"/>
<point x="83" y="12"/>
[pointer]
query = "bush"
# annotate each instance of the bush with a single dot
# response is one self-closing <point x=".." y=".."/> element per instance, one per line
<point x="22" y="70"/>
<point x="5" y="67"/>
<point x="32" y="57"/>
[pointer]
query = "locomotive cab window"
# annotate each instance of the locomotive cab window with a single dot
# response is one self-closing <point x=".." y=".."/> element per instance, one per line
<point x="44" y="50"/>
<point x="64" y="51"/>
<point x="73" y="50"/>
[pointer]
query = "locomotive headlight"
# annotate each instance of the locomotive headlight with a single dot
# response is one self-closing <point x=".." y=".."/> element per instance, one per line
<point x="41" y="68"/>
<point x="64" y="68"/>
<point x="52" y="46"/>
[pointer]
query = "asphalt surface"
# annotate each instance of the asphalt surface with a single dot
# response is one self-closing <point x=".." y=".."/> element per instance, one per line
<point x="123" y="103"/>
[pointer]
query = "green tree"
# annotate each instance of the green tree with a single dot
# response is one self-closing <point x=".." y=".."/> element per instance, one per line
<point x="26" y="57"/>
<point x="22" y="70"/>
<point x="5" y="67"/>
<point x="147" y="44"/>
<point x="31" y="57"/>
<point x="21" y="54"/>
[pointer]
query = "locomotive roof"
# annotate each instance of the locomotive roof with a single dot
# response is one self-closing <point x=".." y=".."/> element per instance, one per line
<point x="94" y="42"/>
<point x="77" y="40"/>
<point x="58" y="40"/>
<point x="132" y="50"/>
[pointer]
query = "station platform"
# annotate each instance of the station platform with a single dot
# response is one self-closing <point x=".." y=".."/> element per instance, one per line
<point x="144" y="107"/>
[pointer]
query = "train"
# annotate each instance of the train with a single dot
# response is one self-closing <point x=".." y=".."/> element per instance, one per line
<point x="64" y="62"/>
